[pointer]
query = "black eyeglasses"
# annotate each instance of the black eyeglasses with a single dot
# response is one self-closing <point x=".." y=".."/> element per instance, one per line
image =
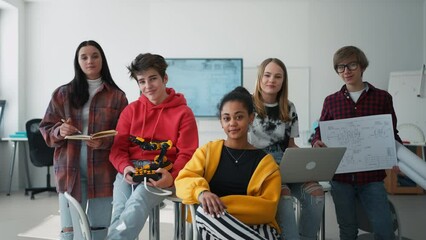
<point x="351" y="66"/>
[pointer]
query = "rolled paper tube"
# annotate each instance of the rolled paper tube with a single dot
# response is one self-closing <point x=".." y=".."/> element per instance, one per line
<point x="414" y="176"/>
<point x="411" y="159"/>
<point x="411" y="165"/>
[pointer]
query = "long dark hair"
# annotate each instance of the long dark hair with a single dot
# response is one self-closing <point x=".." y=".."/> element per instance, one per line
<point x="79" y="85"/>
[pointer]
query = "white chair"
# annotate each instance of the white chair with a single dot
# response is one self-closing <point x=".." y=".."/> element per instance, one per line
<point x="80" y="222"/>
<point x="192" y="209"/>
<point x="411" y="132"/>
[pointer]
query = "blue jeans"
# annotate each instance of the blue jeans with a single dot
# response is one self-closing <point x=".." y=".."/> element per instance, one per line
<point x="373" y="198"/>
<point x="132" y="205"/>
<point x="98" y="209"/>
<point x="312" y="208"/>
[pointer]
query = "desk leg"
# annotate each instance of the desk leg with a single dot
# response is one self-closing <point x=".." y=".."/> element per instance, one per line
<point x="180" y="211"/>
<point x="27" y="151"/>
<point x="12" y="165"/>
<point x="154" y="223"/>
<point x="321" y="233"/>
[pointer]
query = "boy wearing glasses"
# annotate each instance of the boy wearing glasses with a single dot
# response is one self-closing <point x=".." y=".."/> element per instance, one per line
<point x="355" y="99"/>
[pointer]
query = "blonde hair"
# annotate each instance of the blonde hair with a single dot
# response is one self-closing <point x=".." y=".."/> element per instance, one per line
<point x="282" y="95"/>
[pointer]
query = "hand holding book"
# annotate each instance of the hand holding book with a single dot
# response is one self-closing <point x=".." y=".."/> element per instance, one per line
<point x="102" y="134"/>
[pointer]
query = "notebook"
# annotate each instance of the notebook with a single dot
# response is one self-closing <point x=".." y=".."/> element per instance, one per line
<point x="310" y="164"/>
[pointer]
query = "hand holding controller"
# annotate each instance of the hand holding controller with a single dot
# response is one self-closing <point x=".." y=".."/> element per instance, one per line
<point x="160" y="161"/>
<point x="142" y="173"/>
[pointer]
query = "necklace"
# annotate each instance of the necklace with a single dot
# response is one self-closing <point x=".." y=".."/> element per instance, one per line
<point x="230" y="154"/>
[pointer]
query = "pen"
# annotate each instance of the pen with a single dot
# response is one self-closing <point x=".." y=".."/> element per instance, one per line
<point x="63" y="120"/>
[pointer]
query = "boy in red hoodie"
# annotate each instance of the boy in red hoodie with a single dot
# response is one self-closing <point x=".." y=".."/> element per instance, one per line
<point x="160" y="115"/>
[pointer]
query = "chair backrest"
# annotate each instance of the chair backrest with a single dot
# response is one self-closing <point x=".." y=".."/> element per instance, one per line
<point x="2" y="105"/>
<point x="79" y="218"/>
<point x="41" y="155"/>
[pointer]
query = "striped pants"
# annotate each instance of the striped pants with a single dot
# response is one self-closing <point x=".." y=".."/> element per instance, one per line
<point x="228" y="227"/>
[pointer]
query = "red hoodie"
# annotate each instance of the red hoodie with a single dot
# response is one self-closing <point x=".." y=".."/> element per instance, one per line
<point x="170" y="120"/>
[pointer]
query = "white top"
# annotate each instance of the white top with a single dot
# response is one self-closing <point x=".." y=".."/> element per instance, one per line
<point x="93" y="88"/>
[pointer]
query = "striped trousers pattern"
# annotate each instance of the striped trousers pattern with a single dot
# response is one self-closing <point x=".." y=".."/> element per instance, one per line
<point x="227" y="227"/>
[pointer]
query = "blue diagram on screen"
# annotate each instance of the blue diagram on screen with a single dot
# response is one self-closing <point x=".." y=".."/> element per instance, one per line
<point x="204" y="81"/>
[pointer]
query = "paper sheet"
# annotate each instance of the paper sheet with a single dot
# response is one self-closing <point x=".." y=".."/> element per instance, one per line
<point x="369" y="141"/>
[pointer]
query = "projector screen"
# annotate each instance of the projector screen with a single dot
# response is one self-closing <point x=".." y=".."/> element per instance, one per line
<point x="204" y="81"/>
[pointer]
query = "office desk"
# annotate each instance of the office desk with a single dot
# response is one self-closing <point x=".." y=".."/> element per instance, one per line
<point x="179" y="224"/>
<point x="326" y="187"/>
<point x="15" y="144"/>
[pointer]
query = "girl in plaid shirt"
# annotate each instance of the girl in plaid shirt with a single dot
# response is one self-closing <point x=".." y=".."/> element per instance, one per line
<point x="90" y="103"/>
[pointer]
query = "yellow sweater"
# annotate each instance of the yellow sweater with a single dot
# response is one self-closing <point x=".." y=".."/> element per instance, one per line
<point x="260" y="204"/>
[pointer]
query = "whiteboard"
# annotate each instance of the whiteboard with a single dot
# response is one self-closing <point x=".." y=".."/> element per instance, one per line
<point x="409" y="100"/>
<point x="298" y="91"/>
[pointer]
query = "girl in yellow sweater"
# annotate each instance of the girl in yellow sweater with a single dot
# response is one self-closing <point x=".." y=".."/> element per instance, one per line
<point x="236" y="185"/>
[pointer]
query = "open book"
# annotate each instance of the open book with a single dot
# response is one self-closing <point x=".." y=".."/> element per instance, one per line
<point x="102" y="134"/>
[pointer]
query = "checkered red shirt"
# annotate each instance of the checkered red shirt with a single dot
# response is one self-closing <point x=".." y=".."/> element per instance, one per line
<point x="339" y="105"/>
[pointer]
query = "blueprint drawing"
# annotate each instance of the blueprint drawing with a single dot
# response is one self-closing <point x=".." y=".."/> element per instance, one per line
<point x="369" y="141"/>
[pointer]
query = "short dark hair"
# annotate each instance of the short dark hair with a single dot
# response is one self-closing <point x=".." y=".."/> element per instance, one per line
<point x="239" y="94"/>
<point x="145" y="61"/>
<point x="347" y="52"/>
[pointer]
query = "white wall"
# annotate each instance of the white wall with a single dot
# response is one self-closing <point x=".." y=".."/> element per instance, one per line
<point x="11" y="81"/>
<point x="9" y="62"/>
<point x="389" y="32"/>
<point x="12" y="62"/>
<point x="302" y="33"/>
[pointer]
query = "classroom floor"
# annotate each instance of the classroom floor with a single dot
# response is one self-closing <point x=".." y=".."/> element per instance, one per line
<point x="18" y="214"/>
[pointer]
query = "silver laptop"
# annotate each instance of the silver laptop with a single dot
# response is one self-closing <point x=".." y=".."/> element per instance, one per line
<point x="310" y="164"/>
